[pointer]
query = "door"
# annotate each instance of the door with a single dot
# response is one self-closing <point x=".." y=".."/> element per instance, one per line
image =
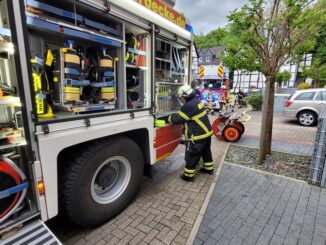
<point x="320" y="101"/>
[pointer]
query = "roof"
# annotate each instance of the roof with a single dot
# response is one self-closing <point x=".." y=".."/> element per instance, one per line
<point x="213" y="51"/>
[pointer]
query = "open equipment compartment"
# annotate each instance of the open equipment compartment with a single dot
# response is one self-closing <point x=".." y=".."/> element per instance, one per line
<point x="171" y="72"/>
<point x="138" y="66"/>
<point x="75" y="59"/>
<point x="17" y="197"/>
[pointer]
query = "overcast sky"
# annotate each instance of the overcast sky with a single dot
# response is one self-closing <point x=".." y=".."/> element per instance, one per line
<point x="207" y="15"/>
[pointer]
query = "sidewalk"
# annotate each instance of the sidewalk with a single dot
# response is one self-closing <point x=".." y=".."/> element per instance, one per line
<point x="163" y="212"/>
<point x="253" y="207"/>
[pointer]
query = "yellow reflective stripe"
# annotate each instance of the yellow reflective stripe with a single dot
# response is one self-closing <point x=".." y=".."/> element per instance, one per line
<point x="199" y="115"/>
<point x="208" y="164"/>
<point x="184" y="116"/>
<point x="186" y="131"/>
<point x="189" y="171"/>
<point x="203" y="136"/>
<point x="201" y="105"/>
<point x="209" y="168"/>
<point x="188" y="175"/>
<point x="202" y="125"/>
<point x="170" y="119"/>
<point x="37" y="83"/>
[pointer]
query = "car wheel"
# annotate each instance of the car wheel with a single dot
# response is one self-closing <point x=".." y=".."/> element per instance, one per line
<point x="307" y="118"/>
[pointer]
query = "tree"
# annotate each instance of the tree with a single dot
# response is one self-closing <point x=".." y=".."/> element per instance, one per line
<point x="317" y="71"/>
<point x="212" y="39"/>
<point x="268" y="34"/>
<point x="282" y="77"/>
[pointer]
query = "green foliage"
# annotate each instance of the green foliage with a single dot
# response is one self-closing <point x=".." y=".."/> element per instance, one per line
<point x="303" y="86"/>
<point x="282" y="77"/>
<point x="212" y="39"/>
<point x="256" y="101"/>
<point x="263" y="35"/>
<point x="317" y="71"/>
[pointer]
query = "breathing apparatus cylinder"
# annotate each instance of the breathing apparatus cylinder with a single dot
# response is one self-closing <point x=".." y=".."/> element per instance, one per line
<point x="106" y="72"/>
<point x="72" y="63"/>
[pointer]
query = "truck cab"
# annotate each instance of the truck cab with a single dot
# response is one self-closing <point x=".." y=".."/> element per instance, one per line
<point x="83" y="85"/>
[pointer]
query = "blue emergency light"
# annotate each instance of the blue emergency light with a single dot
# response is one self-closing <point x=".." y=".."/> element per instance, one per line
<point x="204" y="96"/>
<point x="215" y="96"/>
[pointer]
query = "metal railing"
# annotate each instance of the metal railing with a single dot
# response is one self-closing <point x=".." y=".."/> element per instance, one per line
<point x="317" y="174"/>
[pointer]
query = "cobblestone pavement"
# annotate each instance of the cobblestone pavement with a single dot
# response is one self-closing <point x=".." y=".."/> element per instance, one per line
<point x="288" y="136"/>
<point x="163" y="212"/>
<point x="251" y="207"/>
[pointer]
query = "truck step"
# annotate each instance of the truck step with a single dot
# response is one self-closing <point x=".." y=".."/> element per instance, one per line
<point x="35" y="233"/>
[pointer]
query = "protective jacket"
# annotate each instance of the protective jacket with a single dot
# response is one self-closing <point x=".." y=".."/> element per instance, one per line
<point x="194" y="116"/>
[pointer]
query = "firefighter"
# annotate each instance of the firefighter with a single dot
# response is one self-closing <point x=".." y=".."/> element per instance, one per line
<point x="224" y="99"/>
<point x="198" y="132"/>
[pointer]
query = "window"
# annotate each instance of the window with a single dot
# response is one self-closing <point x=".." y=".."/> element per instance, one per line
<point x="208" y="59"/>
<point x="201" y="59"/>
<point x="306" y="96"/>
<point x="321" y="96"/>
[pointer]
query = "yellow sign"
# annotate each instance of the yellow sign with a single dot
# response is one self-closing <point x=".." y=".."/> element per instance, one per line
<point x="165" y="11"/>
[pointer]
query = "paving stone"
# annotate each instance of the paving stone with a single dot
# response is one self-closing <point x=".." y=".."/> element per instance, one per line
<point x="118" y="233"/>
<point x="181" y="240"/>
<point x="136" y="240"/>
<point x="170" y="237"/>
<point x="150" y="236"/>
<point x="144" y="228"/>
<point x="125" y="240"/>
<point x="131" y="230"/>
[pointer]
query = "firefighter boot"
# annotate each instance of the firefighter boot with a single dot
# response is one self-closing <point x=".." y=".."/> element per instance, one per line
<point x="203" y="170"/>
<point x="186" y="178"/>
<point x="207" y="168"/>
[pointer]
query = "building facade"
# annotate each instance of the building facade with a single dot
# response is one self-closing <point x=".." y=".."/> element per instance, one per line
<point x="210" y="56"/>
<point x="252" y="80"/>
<point x="195" y="59"/>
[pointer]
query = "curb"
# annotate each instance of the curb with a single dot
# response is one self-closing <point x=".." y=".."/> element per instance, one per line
<point x="202" y="211"/>
<point x="266" y="173"/>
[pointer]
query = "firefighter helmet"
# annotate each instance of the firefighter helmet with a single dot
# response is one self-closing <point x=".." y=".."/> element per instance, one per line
<point x="185" y="91"/>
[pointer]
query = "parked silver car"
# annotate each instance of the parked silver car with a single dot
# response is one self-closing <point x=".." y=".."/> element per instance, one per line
<point x="306" y="105"/>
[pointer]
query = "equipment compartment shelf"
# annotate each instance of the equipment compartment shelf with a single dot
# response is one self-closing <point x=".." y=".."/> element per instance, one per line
<point x="168" y="83"/>
<point x="136" y="67"/>
<point x="168" y="61"/>
<point x="10" y="101"/>
<point x="19" y="142"/>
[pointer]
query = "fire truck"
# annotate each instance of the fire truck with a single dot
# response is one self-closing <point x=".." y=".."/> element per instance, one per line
<point x="212" y="78"/>
<point x="85" y="87"/>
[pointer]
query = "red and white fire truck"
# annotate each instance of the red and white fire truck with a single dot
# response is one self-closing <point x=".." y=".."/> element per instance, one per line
<point x="83" y="85"/>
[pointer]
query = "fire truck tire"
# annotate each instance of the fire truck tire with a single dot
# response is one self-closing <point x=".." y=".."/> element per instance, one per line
<point x="101" y="180"/>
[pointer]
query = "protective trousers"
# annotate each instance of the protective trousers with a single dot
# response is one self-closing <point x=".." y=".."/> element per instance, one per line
<point x="194" y="151"/>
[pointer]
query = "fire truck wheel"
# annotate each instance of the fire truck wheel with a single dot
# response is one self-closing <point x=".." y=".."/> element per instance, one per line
<point x="231" y="133"/>
<point x="101" y="180"/>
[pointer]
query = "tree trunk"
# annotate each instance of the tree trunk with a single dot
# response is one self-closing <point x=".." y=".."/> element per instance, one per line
<point x="266" y="131"/>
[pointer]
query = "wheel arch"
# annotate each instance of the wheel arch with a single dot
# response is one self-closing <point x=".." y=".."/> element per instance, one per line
<point x="139" y="136"/>
<point x="308" y="110"/>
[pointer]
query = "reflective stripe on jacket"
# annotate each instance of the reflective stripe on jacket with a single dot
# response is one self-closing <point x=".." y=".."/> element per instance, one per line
<point x="194" y="116"/>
